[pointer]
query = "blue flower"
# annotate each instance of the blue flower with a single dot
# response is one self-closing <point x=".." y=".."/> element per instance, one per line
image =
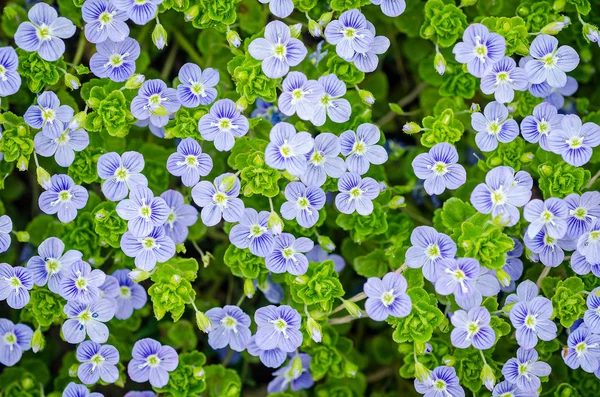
<point x="588" y="243"/>
<point x="152" y="362"/>
<point x="550" y="250"/>
<point x="268" y="111"/>
<point x="280" y="8"/>
<point x="303" y="203"/>
<point x="574" y="141"/>
<point x="361" y="148"/>
<point x="428" y="248"/>
<point x="288" y="255"/>
<point x="6" y="226"/>
<point x="219" y="199"/>
<point x="148" y="249"/>
<point x="550" y="63"/>
<point x="288" y="148"/>
<point x="49" y="115"/>
<point x="318" y="55"/>
<point x="14" y="340"/>
<point x="44" y="33"/>
<point x="541" y="124"/>
<point x="479" y="49"/>
<point x="98" y="362"/>
<point x="291" y="377"/>
<point x="387" y="297"/>
<point x="532" y="320"/>
<point x="189" y="162"/>
<point x="272" y="358"/>
<point x="549" y="215"/>
<point x="63" y="197"/>
<point x="278" y="327"/>
<point x="104" y="21"/>
<point x="121" y="174"/>
<point x="582" y="210"/>
<point x="87" y="319"/>
<point x="367" y="61"/>
<point x="223" y="124"/>
<point x="493" y="126"/>
<point x="81" y="284"/>
<point x="507" y="389"/>
<point x="155" y="101"/>
<point x="582" y="266"/>
<point x="10" y="80"/>
<point x="230" y="326"/>
<point x="502" y="79"/>
<point x="331" y="102"/>
<point x="472" y="329"/>
<point x="143" y="211"/>
<point x="272" y="291"/>
<point x="115" y="60"/>
<point x="299" y="95"/>
<point x="180" y="217"/>
<point x="52" y="263"/>
<point x="15" y="283"/>
<point x="73" y="139"/>
<point x="525" y="370"/>
<point x="439" y="169"/>
<point x="583" y="350"/>
<point x="350" y="34"/>
<point x="139" y="11"/>
<point x="75" y="390"/>
<point x="130" y="295"/>
<point x="356" y="194"/>
<point x="252" y="232"/>
<point x="323" y="160"/>
<point x="277" y="50"/>
<point x="391" y="8"/>
<point x="502" y="193"/>
<point x="197" y="87"/>
<point x="443" y="381"/>
<point x="526" y="291"/>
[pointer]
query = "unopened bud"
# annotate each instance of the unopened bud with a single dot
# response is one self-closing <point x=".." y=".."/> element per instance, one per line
<point x="591" y="33"/>
<point x="326" y="243"/>
<point x="199" y="373"/>
<point x="487" y="377"/>
<point x="449" y="360"/>
<point x="326" y="18"/>
<point x="249" y="289"/>
<point x="296" y="366"/>
<point x="439" y="63"/>
<point x="397" y="202"/>
<point x="203" y="322"/>
<point x="353" y="309"/>
<point x="411" y="128"/>
<point x="192" y="12"/>
<point x="422" y="373"/>
<point x="73" y="370"/>
<point x="135" y="81"/>
<point x="23" y="237"/>
<point x="233" y="38"/>
<point x="466" y="3"/>
<point x="475" y="107"/>
<point x="72" y="81"/>
<point x="23" y="163"/>
<point x="43" y="178"/>
<point x="314" y="28"/>
<point x="241" y="104"/>
<point x="545" y="170"/>
<point x="227" y="183"/>
<point x="350" y="369"/>
<point x="314" y="330"/>
<point x="138" y="275"/>
<point x="503" y="277"/>
<point x="559" y="5"/>
<point x="303" y="279"/>
<point x="556" y="26"/>
<point x="78" y="120"/>
<point x="159" y="36"/>
<point x="295" y="30"/>
<point x="275" y="223"/>
<point x="367" y="97"/>
<point x="37" y="341"/>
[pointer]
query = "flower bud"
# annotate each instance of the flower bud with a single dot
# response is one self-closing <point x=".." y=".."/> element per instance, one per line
<point x="249" y="289"/>
<point x="295" y="30"/>
<point x="227" y="183"/>
<point x="241" y="104"/>
<point x="428" y="348"/>
<point x="439" y="63"/>
<point x="37" y="341"/>
<point x="397" y="202"/>
<point x="72" y="81"/>
<point x="233" y="38"/>
<point x="203" y="322"/>
<point x="78" y="120"/>
<point x="135" y="82"/>
<point x="350" y="369"/>
<point x="503" y="277"/>
<point x="180" y="248"/>
<point x="353" y="309"/>
<point x="138" y="275"/>
<point x="411" y="128"/>
<point x="466" y="3"/>
<point x="475" y="107"/>
<point x="297" y="366"/>
<point x="192" y="12"/>
<point x="73" y="370"/>
<point x="314" y="28"/>
<point x="449" y="360"/>
<point x="367" y="97"/>
<point x="487" y="377"/>
<point x="507" y="308"/>
<point x="556" y="26"/>
<point x="559" y="5"/>
<point x="10" y="13"/>
<point x="420" y="347"/>
<point x="527" y="157"/>
<point x="325" y="18"/>
<point x="275" y="223"/>
<point x="159" y="36"/>
<point x="545" y="170"/>
<point x="23" y="237"/>
<point x="326" y="243"/>
<point x="302" y="279"/>
<point x="43" y="178"/>
<point x="314" y="330"/>
<point x="422" y="373"/>
<point x="23" y="163"/>
<point x="199" y="373"/>
<point x="590" y="32"/>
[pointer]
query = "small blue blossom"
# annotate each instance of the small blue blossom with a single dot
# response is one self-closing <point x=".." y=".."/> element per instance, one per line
<point x="98" y="362"/>
<point x="493" y="126"/>
<point x="155" y="101"/>
<point x="287" y="149"/>
<point x="148" y="249"/>
<point x="532" y="320"/>
<point x="361" y="148"/>
<point x="479" y="49"/>
<point x="428" y="248"/>
<point x="472" y="329"/>
<point x="189" y="162"/>
<point x="350" y="34"/>
<point x="583" y="350"/>
<point x="252" y="232"/>
<point x="197" y="86"/>
<point x="49" y="115"/>
<point x="219" y="199"/>
<point x="356" y="194"/>
<point x="288" y="377"/>
<point x="87" y="319"/>
<point x="121" y="174"/>
<point x="115" y="60"/>
<point x="549" y="215"/>
<point x="223" y="124"/>
<point x="139" y="11"/>
<point x="73" y="139"/>
<point x="280" y="8"/>
<point x="299" y="95"/>
<point x="143" y="211"/>
<point x="81" y="284"/>
<point x="550" y="62"/>
<point x="525" y="370"/>
<point x="6" y="226"/>
<point x="541" y="124"/>
<point x="10" y="80"/>
<point x="230" y="327"/>
<point x="278" y="327"/>
<point x="387" y="297"/>
<point x="502" y="79"/>
<point x="181" y="216"/>
<point x="15" y="283"/>
<point x="331" y="102"/>
<point x="272" y="358"/>
<point x="442" y="381"/>
<point x="63" y="197"/>
<point x="303" y="203"/>
<point x="130" y="295"/>
<point x="152" y="362"/>
<point x="574" y="140"/>
<point x="391" y="8"/>
<point x="288" y="255"/>
<point x="51" y="263"/>
<point x="439" y="169"/>
<point x="550" y="250"/>
<point x="104" y="21"/>
<point x="367" y="61"/>
<point x="14" y="340"/>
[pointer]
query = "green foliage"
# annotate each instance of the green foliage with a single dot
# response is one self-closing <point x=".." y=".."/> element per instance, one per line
<point x="444" y="23"/>
<point x="512" y="154"/>
<point x="45" y="307"/>
<point x="215" y="13"/>
<point x="569" y="305"/>
<point x="422" y="321"/>
<point x="363" y="227"/>
<point x="330" y="357"/>
<point x="345" y="70"/>
<point x="482" y="240"/>
<point x="172" y="288"/>
<point x="111" y="110"/>
<point x="250" y="81"/>
<point x="84" y="168"/>
<point x="185" y="124"/>
<point x="514" y="32"/>
<point x="318" y="288"/>
<point x="456" y="82"/>
<point x="222" y="382"/>
<point x="561" y="179"/>
<point x="243" y="264"/>
<point x="16" y="142"/>
<point x="443" y="128"/>
<point x="536" y="14"/>
<point x="80" y="235"/>
<point x="189" y="377"/>
<point x="37" y="72"/>
<point x="108" y="224"/>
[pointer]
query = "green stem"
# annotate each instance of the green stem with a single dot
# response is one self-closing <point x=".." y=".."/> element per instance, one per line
<point x="170" y="61"/>
<point x="188" y="47"/>
<point x="80" y="49"/>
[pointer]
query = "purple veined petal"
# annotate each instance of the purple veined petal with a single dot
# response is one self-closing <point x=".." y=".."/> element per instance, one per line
<point x="295" y="52"/>
<point x="277" y="31"/>
<point x="536" y="72"/>
<point x="62" y="28"/>
<point x="52" y="49"/>
<point x="142" y="13"/>
<point x="260" y="49"/>
<point x="434" y="185"/>
<point x="556" y="77"/>
<point x="455" y="177"/>
<point x="567" y="59"/>
<point x="509" y="131"/>
<point x="543" y="45"/>
<point x="484" y="338"/>
<point x="481" y="199"/>
<point x="281" y="8"/>
<point x="591" y="131"/>
<point x="274" y="67"/>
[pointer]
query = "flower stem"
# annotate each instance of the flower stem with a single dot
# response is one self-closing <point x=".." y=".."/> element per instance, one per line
<point x="80" y="48"/>
<point x="544" y="273"/>
<point x="188" y="47"/>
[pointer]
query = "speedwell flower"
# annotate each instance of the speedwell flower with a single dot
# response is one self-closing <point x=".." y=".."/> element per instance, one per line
<point x="288" y="255"/>
<point x="331" y="102"/>
<point x="14" y="340"/>
<point x="428" y="248"/>
<point x="49" y="115"/>
<point x="287" y="149"/>
<point x="574" y="140"/>
<point x="72" y="139"/>
<point x="189" y="162"/>
<point x="503" y="78"/>
<point x="197" y="86"/>
<point x="278" y="327"/>
<point x="15" y="283"/>
<point x="323" y="160"/>
<point x="541" y="124"/>
<point x="439" y="169"/>
<point x="148" y="249"/>
<point x="181" y="216"/>
<point x="361" y="148"/>
<point x="387" y="297"/>
<point x="155" y="101"/>
<point x="219" y="199"/>
<point x="152" y="361"/>
<point x="81" y="284"/>
<point x="87" y="319"/>
<point x="350" y="34"/>
<point x="223" y="124"/>
<point x="104" y="21"/>
<point x="493" y="126"/>
<point x="115" y="60"/>
<point x="97" y="362"/>
<point x="303" y="203"/>
<point x="121" y="174"/>
<point x="10" y="80"/>
<point x="252" y="232"/>
<point x="51" y="263"/>
<point x="230" y="326"/>
<point x="479" y="49"/>
<point x="472" y="329"/>
<point x="142" y="211"/>
<point x="63" y="197"/>
<point x="356" y="194"/>
<point x="550" y="63"/>
<point x="299" y="95"/>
